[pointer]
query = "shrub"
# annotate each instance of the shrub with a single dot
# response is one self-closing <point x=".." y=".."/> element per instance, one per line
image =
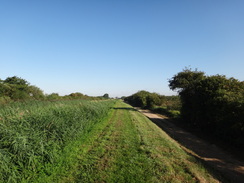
<point x="212" y="103"/>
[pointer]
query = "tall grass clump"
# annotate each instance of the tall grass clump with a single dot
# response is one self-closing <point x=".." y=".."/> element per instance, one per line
<point x="33" y="135"/>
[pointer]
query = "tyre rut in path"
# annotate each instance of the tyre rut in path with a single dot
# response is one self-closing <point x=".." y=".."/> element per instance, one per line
<point x="225" y="164"/>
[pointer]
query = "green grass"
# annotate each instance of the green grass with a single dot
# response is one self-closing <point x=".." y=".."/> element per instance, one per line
<point x="89" y="141"/>
<point x="167" y="112"/>
<point x="34" y="136"/>
<point x="130" y="148"/>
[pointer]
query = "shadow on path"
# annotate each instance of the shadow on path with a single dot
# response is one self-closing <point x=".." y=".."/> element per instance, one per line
<point x="124" y="108"/>
<point x="226" y="165"/>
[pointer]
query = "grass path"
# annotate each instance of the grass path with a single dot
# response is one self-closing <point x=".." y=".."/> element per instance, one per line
<point x="128" y="147"/>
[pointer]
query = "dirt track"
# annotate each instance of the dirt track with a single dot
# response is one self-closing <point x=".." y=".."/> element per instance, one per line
<point x="228" y="167"/>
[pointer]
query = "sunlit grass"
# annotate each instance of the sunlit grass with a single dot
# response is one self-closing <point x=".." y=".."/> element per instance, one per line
<point x="89" y="141"/>
<point x="130" y="148"/>
<point x="33" y="135"/>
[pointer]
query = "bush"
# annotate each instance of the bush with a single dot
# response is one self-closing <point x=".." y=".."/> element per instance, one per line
<point x="149" y="100"/>
<point x="19" y="89"/>
<point x="174" y="113"/>
<point x="166" y="112"/>
<point x="212" y="103"/>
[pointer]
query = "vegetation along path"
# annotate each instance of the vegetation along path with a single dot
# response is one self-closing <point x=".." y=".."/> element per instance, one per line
<point x="128" y="147"/>
<point x="226" y="165"/>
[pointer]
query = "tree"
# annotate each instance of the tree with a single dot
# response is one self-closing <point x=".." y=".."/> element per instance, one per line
<point x="15" y="87"/>
<point x="53" y="96"/>
<point x="212" y="103"/>
<point x="185" y="80"/>
<point x="220" y="101"/>
<point x="144" y="99"/>
<point x="106" y="96"/>
<point x="185" y="83"/>
<point x="19" y="89"/>
<point x="16" y="80"/>
<point x="152" y="100"/>
<point x="35" y="92"/>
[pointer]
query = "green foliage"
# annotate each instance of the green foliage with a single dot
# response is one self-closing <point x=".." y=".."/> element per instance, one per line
<point x="167" y="112"/>
<point x="145" y="99"/>
<point x="33" y="135"/>
<point x="106" y="96"/>
<point x="19" y="89"/>
<point x="212" y="103"/>
<point x="77" y="95"/>
<point x="166" y="105"/>
<point x="35" y="92"/>
<point x="171" y="102"/>
<point x="141" y="99"/>
<point x="185" y="80"/>
<point x="53" y="96"/>
<point x="16" y="81"/>
<point x="174" y="113"/>
<point x="19" y="93"/>
<point x="153" y="99"/>
<point x="5" y="89"/>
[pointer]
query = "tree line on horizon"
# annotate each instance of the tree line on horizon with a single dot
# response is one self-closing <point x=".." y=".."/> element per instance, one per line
<point x="18" y="89"/>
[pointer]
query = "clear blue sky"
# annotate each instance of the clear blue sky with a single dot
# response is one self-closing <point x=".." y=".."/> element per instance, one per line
<point x="118" y="47"/>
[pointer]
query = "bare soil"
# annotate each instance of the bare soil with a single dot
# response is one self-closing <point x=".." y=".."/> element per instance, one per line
<point x="219" y="160"/>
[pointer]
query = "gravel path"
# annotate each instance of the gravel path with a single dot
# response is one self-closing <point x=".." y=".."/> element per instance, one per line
<point x="228" y="167"/>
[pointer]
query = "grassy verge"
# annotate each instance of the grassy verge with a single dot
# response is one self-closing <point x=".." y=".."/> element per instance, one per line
<point x="130" y="148"/>
<point x="39" y="139"/>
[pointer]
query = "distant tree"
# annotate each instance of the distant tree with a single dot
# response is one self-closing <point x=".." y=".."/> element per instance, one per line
<point x="76" y="95"/>
<point x="53" y="96"/>
<point x="106" y="96"/>
<point x="35" y="92"/>
<point x="16" y="80"/>
<point x="144" y="99"/>
<point x="152" y="100"/>
<point x="17" y="88"/>
<point x="138" y="99"/>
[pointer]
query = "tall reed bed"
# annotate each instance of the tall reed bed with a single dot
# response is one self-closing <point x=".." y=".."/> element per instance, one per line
<point x="33" y="135"/>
